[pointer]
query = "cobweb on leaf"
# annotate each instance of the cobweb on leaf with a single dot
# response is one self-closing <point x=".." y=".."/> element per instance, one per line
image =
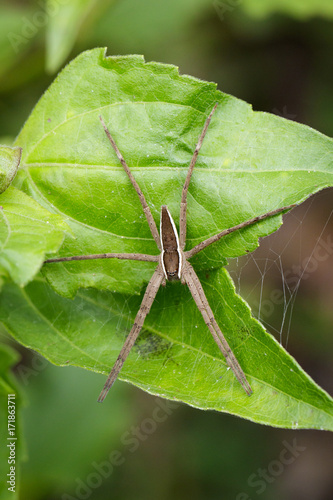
<point x="286" y="263"/>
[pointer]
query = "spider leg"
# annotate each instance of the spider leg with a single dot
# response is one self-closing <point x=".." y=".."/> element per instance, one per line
<point x="183" y="204"/>
<point x="201" y="301"/>
<point x="128" y="256"/>
<point x="146" y="209"/>
<point x="218" y="236"/>
<point x="146" y="304"/>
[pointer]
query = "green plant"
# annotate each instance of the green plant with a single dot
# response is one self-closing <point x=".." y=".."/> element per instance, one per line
<point x="69" y="182"/>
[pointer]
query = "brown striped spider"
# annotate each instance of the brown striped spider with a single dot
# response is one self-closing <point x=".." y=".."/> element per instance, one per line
<point x="172" y="264"/>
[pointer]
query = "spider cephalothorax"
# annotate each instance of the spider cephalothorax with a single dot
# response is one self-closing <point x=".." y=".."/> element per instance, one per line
<point x="172" y="265"/>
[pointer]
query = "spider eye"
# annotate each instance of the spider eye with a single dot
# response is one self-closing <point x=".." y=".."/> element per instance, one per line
<point x="173" y="276"/>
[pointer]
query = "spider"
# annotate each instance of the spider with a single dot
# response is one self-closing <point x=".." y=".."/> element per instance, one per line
<point x="172" y="264"/>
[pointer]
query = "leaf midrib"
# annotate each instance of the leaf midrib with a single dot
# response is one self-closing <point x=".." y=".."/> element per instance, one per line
<point x="173" y="169"/>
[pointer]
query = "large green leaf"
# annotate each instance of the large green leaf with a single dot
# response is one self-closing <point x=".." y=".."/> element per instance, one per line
<point x="250" y="163"/>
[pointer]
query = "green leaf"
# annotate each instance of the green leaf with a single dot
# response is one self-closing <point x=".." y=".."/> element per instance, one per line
<point x="9" y="413"/>
<point x="27" y="232"/>
<point x="300" y="9"/>
<point x="250" y="163"/>
<point x="175" y="355"/>
<point x="9" y="162"/>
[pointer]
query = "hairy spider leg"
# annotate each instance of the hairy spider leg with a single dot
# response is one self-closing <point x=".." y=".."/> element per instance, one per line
<point x="146" y="304"/>
<point x="183" y="203"/>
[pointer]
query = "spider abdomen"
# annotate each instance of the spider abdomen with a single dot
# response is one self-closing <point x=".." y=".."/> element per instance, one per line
<point x="171" y="258"/>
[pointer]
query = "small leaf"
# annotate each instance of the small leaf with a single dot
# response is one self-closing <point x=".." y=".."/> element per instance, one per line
<point x="27" y="232"/>
<point x="9" y="162"/>
<point x="66" y="20"/>
<point x="175" y="356"/>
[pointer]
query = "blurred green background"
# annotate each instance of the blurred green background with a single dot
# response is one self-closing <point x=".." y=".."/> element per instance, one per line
<point x="276" y="55"/>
